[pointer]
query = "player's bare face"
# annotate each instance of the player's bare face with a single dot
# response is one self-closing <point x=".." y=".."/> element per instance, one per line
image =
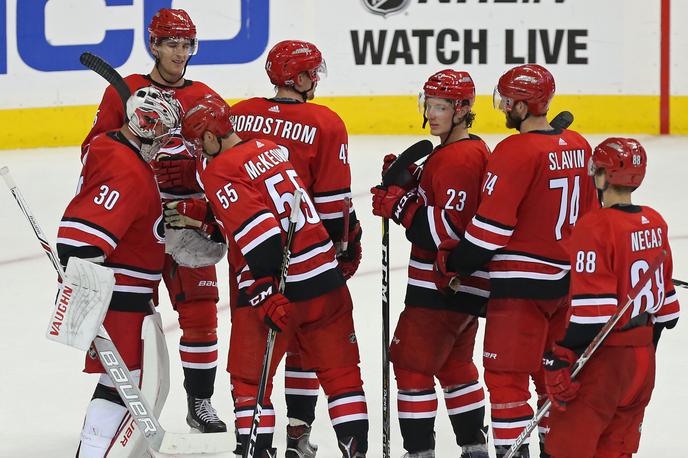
<point x="173" y="55"/>
<point x="439" y="113"/>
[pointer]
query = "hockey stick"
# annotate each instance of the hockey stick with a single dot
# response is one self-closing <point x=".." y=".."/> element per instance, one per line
<point x="590" y="350"/>
<point x="562" y="121"/>
<point x="346" y="209"/>
<point x="111" y="75"/>
<point x="250" y="450"/>
<point x="156" y="437"/>
<point x="679" y="283"/>
<point x="395" y="174"/>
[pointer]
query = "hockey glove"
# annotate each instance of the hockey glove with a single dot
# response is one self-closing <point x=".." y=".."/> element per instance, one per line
<point x="273" y="307"/>
<point x="557" y="367"/>
<point x="350" y="259"/>
<point x="658" y="327"/>
<point x="396" y="203"/>
<point x="189" y="213"/>
<point x="176" y="173"/>
<point x="413" y="170"/>
<point x="446" y="281"/>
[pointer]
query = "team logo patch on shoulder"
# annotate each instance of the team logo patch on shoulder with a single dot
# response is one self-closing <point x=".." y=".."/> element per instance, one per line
<point x="385" y="7"/>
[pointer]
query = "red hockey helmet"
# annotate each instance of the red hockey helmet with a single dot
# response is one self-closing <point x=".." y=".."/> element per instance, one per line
<point x="532" y="84"/>
<point x="624" y="160"/>
<point x="289" y="58"/>
<point x="209" y="113"/>
<point x="173" y="24"/>
<point x="452" y="85"/>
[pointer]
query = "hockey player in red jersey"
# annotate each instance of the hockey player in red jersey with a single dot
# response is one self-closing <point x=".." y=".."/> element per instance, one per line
<point x="192" y="291"/>
<point x="316" y="143"/>
<point x="601" y="413"/>
<point x="115" y="219"/>
<point x="535" y="188"/>
<point x="436" y="333"/>
<point x="250" y="185"/>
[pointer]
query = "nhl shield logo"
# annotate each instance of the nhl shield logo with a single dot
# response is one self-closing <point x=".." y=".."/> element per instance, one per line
<point x="385" y="7"/>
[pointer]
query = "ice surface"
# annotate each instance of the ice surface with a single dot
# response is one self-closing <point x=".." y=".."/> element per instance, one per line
<point x="43" y="394"/>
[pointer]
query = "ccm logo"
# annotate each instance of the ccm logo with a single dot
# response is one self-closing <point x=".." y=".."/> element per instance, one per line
<point x="61" y="310"/>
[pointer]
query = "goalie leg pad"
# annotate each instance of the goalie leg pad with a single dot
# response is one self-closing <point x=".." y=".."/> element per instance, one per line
<point x="103" y="419"/>
<point x="125" y="330"/>
<point x="154" y="384"/>
<point x="81" y="303"/>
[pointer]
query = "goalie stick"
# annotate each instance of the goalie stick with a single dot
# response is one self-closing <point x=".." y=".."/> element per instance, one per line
<point x="111" y="75"/>
<point x="591" y="348"/>
<point x="250" y="450"/>
<point x="138" y="407"/>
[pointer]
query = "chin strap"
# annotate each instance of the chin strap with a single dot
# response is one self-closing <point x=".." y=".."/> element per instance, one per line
<point x="304" y="94"/>
<point x="171" y="83"/>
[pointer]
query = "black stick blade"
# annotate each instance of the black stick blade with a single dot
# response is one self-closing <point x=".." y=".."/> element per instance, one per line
<point x="98" y="65"/>
<point x="395" y="172"/>
<point x="562" y="121"/>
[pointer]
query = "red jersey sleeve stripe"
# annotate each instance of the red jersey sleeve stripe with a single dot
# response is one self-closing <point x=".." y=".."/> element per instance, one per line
<point x="595" y="319"/>
<point x="321" y="198"/>
<point x="251" y="223"/>
<point x="90" y="229"/>
<point x="612" y="301"/>
<point x="245" y="248"/>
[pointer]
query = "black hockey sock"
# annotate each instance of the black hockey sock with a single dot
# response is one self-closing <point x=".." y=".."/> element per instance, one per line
<point x="200" y="383"/>
<point x="199" y="367"/>
<point x="469" y="428"/>
<point x="417" y="411"/>
<point x="301" y="394"/>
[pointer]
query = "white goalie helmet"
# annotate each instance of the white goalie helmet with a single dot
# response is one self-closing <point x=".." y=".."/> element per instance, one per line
<point x="148" y="108"/>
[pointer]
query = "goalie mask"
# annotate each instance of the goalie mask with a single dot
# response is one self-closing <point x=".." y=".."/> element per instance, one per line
<point x="154" y="116"/>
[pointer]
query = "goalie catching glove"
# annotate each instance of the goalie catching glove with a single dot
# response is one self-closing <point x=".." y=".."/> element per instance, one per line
<point x="81" y="304"/>
<point x="273" y="307"/>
